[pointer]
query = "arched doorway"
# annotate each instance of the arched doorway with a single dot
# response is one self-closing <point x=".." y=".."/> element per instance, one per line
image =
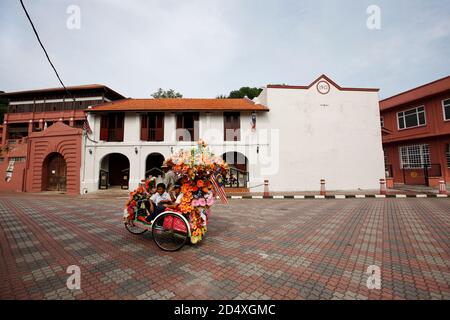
<point x="153" y="165"/>
<point x="239" y="175"/>
<point x="114" y="171"/>
<point x="54" y="172"/>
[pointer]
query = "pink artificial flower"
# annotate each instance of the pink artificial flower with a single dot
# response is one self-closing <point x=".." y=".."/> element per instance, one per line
<point x="202" y="202"/>
<point x="210" y="201"/>
<point x="195" y="203"/>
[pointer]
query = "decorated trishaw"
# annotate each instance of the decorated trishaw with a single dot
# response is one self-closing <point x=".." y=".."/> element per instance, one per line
<point x="200" y="174"/>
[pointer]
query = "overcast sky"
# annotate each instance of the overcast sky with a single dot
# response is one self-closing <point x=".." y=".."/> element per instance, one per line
<point x="203" y="48"/>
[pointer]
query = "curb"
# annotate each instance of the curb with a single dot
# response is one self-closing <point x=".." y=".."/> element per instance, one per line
<point x="349" y="196"/>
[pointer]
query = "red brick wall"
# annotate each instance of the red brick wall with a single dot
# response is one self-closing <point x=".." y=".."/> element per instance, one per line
<point x="57" y="138"/>
<point x="16" y="182"/>
<point x="435" y="123"/>
<point x="437" y="147"/>
<point x="436" y="133"/>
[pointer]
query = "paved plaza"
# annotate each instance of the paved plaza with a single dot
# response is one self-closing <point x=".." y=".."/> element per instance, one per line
<point x="254" y="249"/>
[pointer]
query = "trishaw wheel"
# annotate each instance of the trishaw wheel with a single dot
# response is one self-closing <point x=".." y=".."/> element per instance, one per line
<point x="134" y="229"/>
<point x="170" y="232"/>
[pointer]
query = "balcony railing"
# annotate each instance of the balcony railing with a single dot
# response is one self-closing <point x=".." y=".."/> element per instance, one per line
<point x="12" y="141"/>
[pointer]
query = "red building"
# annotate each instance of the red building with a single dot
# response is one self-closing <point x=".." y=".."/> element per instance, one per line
<point x="41" y="137"/>
<point x="416" y="134"/>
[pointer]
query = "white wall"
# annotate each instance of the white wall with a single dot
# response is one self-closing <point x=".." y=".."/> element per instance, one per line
<point x="336" y="137"/>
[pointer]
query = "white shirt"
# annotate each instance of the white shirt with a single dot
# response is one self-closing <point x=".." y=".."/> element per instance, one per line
<point x="156" y="197"/>
<point x="179" y="198"/>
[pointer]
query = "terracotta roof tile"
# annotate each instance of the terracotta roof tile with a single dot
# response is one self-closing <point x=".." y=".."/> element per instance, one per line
<point x="179" y="105"/>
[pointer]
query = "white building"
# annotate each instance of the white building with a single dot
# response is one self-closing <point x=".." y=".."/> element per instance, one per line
<point x="292" y="136"/>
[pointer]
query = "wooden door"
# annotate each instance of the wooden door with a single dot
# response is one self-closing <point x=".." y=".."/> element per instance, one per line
<point x="56" y="173"/>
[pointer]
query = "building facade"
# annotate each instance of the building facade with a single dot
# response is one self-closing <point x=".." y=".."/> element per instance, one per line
<point x="416" y="134"/>
<point x="293" y="136"/>
<point x="325" y="132"/>
<point x="41" y="137"/>
<point x="131" y="138"/>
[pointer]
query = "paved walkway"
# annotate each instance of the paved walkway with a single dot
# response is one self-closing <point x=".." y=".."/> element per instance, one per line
<point x="255" y="249"/>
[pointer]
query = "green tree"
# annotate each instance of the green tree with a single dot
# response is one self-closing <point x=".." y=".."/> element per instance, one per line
<point x="243" y="92"/>
<point x="3" y="107"/>
<point x="166" y="94"/>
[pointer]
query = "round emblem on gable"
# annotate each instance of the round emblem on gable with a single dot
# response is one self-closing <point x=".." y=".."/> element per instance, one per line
<point x="323" y="87"/>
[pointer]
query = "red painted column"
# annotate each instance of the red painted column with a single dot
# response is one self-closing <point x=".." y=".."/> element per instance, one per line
<point x="4" y="133"/>
<point x="30" y="127"/>
<point x="266" y="188"/>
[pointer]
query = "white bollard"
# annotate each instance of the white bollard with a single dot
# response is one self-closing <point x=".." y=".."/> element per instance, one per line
<point x="323" y="190"/>
<point x="442" y="187"/>
<point x="382" y="186"/>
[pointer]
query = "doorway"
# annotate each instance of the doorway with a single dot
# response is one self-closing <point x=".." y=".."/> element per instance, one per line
<point x="54" y="172"/>
<point x="153" y="165"/>
<point x="117" y="169"/>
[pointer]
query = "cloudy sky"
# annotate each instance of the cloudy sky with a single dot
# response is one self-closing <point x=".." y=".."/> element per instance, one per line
<point x="204" y="48"/>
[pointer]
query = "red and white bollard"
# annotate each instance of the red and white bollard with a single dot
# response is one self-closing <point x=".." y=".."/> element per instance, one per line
<point x="323" y="191"/>
<point x="382" y="186"/>
<point x="266" y="188"/>
<point x="442" y="187"/>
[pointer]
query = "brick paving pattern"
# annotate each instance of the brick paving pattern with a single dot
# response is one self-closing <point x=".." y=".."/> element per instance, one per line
<point x="255" y="249"/>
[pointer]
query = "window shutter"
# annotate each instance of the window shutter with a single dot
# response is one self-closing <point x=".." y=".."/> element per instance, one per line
<point x="120" y="125"/>
<point x="195" y="134"/>
<point x="119" y="132"/>
<point x="144" y="127"/>
<point x="237" y="126"/>
<point x="104" y="128"/>
<point x="160" y="127"/>
<point x="159" y="134"/>
<point x="179" y="126"/>
<point x="120" y="117"/>
<point x="226" y="124"/>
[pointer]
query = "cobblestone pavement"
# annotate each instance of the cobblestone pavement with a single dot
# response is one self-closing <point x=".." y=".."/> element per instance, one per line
<point x="255" y="249"/>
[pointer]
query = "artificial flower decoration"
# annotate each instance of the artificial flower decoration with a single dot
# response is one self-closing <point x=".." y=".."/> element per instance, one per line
<point x="141" y="193"/>
<point x="194" y="169"/>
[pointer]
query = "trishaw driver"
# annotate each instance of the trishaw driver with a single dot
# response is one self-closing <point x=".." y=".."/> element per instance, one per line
<point x="169" y="177"/>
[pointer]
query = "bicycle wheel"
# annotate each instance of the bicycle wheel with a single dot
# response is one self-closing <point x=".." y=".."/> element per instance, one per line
<point x="129" y="225"/>
<point x="170" y="231"/>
